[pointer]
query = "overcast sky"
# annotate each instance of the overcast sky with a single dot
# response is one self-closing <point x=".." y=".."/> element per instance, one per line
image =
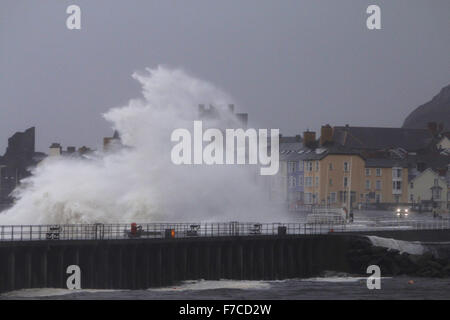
<point x="291" y="65"/>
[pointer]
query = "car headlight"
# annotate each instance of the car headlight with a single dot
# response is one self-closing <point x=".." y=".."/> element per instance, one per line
<point x="406" y="210"/>
<point x="398" y="210"/>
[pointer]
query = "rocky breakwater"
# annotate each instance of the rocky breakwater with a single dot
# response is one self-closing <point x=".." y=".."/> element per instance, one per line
<point x="396" y="257"/>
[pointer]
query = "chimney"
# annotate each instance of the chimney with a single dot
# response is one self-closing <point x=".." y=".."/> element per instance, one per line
<point x="71" y="149"/>
<point x="432" y="126"/>
<point x="298" y="138"/>
<point x="231" y="108"/>
<point x="309" y="138"/>
<point x="55" y="149"/>
<point x="326" y="134"/>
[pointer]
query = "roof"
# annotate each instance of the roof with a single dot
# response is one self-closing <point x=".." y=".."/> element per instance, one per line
<point x="292" y="146"/>
<point x="306" y="153"/>
<point x="435" y="161"/>
<point x="385" y="163"/>
<point x="375" y="138"/>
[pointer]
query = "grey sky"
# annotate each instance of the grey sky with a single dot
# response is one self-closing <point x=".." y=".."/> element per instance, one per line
<point x="292" y="65"/>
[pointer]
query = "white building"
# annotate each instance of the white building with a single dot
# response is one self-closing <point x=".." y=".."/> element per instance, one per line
<point x="429" y="188"/>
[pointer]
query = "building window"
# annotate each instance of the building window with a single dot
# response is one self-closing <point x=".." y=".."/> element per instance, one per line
<point x="411" y="198"/>
<point x="345" y="182"/>
<point x="308" y="181"/>
<point x="396" y="173"/>
<point x="310" y="165"/>
<point x="333" y="197"/>
<point x="377" y="198"/>
<point x="367" y="184"/>
<point x="378" y="185"/>
<point x="412" y="185"/>
<point x="330" y="166"/>
<point x="317" y="181"/>
<point x="317" y="165"/>
<point x="367" y="172"/>
<point x="330" y="182"/>
<point x="378" y="170"/>
<point x="308" y="198"/>
<point x="436" y="193"/>
<point x="396" y="185"/>
<point x="292" y="182"/>
<point x="291" y="166"/>
<point x="300" y="181"/>
<point x="343" y="196"/>
<point x="300" y="165"/>
<point x="346" y="166"/>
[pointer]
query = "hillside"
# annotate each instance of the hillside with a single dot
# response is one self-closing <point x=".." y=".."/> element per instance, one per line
<point x="436" y="110"/>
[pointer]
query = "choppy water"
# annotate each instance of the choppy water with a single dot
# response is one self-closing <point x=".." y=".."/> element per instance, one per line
<point x="334" y="287"/>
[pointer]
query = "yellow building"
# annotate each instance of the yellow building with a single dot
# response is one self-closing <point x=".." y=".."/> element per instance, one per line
<point x="330" y="176"/>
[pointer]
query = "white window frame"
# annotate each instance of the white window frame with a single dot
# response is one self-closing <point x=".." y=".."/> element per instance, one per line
<point x="291" y="166"/>
<point x="346" y="166"/>
<point x="378" y="172"/>
<point x="396" y="185"/>
<point x="396" y="173"/>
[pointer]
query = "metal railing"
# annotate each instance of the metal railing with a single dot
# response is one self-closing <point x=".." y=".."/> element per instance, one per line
<point x="189" y="230"/>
